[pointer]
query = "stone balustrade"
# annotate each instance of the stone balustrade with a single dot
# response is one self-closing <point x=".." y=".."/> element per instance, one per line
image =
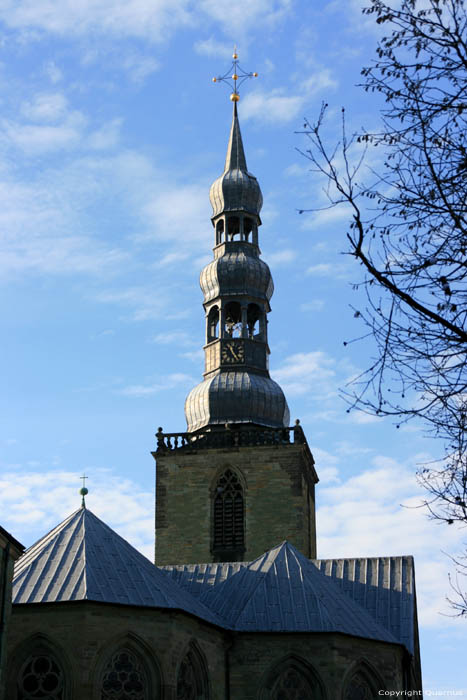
<point x="230" y="436"/>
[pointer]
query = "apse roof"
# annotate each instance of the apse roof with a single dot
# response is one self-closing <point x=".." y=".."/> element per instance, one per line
<point x="84" y="559"/>
<point x="283" y="591"/>
<point x="384" y="587"/>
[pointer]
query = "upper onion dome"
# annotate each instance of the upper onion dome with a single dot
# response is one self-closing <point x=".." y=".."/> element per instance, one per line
<point x="236" y="189"/>
<point x="233" y="273"/>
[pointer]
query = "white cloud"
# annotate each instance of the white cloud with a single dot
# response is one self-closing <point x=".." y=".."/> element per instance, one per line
<point x="153" y="20"/>
<point x="107" y="136"/>
<point x="48" y="107"/>
<point x="321" y="79"/>
<point x="283" y="104"/>
<point x="36" y="139"/>
<point x="314" y="305"/>
<point x="304" y="371"/>
<point x="236" y="18"/>
<point x="281" y="257"/>
<point x="169" y="382"/>
<point x="173" y="338"/>
<point x="275" y="107"/>
<point x="335" y="270"/>
<point x="213" y="48"/>
<point x="53" y="72"/>
<point x="364" y="515"/>
<point x="139" y="67"/>
<point x="33" y="503"/>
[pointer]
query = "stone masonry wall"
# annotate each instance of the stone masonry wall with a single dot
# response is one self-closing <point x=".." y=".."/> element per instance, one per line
<point x="279" y="500"/>
<point x="86" y="634"/>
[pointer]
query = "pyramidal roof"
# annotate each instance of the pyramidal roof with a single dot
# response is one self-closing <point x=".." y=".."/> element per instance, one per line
<point x="84" y="559"/>
<point x="283" y="591"/>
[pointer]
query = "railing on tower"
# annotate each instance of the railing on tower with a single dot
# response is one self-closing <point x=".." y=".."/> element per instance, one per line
<point x="230" y="436"/>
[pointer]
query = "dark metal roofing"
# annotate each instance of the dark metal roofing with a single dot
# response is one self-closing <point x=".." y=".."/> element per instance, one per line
<point x="236" y="189"/>
<point x="237" y="272"/>
<point x="283" y="591"/>
<point x="236" y="397"/>
<point x="84" y="559"/>
<point x="383" y="587"/>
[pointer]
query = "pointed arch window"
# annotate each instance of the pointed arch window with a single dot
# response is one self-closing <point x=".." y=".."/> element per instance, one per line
<point x="41" y="677"/>
<point x="125" y="677"/>
<point x="292" y="679"/>
<point x="228" y="517"/>
<point x="192" y="682"/>
<point x="359" y="688"/>
<point x="292" y="684"/>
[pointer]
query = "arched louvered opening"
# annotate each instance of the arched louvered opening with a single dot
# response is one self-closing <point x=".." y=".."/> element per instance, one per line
<point x="233" y="230"/>
<point x="192" y="680"/>
<point x="125" y="677"/>
<point x="360" y="687"/>
<point x="228" y="541"/>
<point x="41" y="676"/>
<point x="213" y="324"/>
<point x="248" y="225"/>
<point x="253" y="316"/>
<point x="219" y="231"/>
<point x="233" y="320"/>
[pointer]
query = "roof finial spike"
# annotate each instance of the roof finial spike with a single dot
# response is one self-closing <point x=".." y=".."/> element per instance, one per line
<point x="235" y="74"/>
<point x="83" y="491"/>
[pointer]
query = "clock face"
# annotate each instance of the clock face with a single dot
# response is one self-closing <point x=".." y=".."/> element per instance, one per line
<point x="233" y="352"/>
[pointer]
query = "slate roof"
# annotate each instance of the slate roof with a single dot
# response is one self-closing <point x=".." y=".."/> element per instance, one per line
<point x="281" y="591"/>
<point x="384" y="587"/>
<point x="84" y="559"/>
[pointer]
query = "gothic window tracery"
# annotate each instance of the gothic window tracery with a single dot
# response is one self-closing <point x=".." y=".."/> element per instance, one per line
<point x="191" y="679"/>
<point x="229" y="535"/>
<point x="40" y="677"/>
<point x="292" y="685"/>
<point x="124" y="678"/>
<point x="358" y="688"/>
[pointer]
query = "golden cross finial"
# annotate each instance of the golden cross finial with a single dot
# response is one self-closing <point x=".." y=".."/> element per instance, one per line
<point x="235" y="74"/>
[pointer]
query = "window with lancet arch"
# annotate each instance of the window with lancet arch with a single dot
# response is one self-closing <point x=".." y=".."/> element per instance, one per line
<point x="228" y="517"/>
<point x="291" y="679"/>
<point x="192" y="681"/>
<point x="360" y="688"/>
<point x="125" y="677"/>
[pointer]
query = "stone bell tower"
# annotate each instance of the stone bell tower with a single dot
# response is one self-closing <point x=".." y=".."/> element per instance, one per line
<point x="239" y="480"/>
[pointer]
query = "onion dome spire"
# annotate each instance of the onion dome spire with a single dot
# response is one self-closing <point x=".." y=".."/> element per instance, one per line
<point x="237" y="287"/>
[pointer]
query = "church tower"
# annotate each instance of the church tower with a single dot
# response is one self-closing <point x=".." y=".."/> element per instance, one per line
<point x="239" y="480"/>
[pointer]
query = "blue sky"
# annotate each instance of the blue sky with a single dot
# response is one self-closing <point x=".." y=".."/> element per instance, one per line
<point x="111" y="133"/>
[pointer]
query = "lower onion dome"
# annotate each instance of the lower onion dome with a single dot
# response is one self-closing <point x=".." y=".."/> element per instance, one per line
<point x="236" y="397"/>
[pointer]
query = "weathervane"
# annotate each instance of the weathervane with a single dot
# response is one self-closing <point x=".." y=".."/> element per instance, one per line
<point x="83" y="490"/>
<point x="235" y="74"/>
